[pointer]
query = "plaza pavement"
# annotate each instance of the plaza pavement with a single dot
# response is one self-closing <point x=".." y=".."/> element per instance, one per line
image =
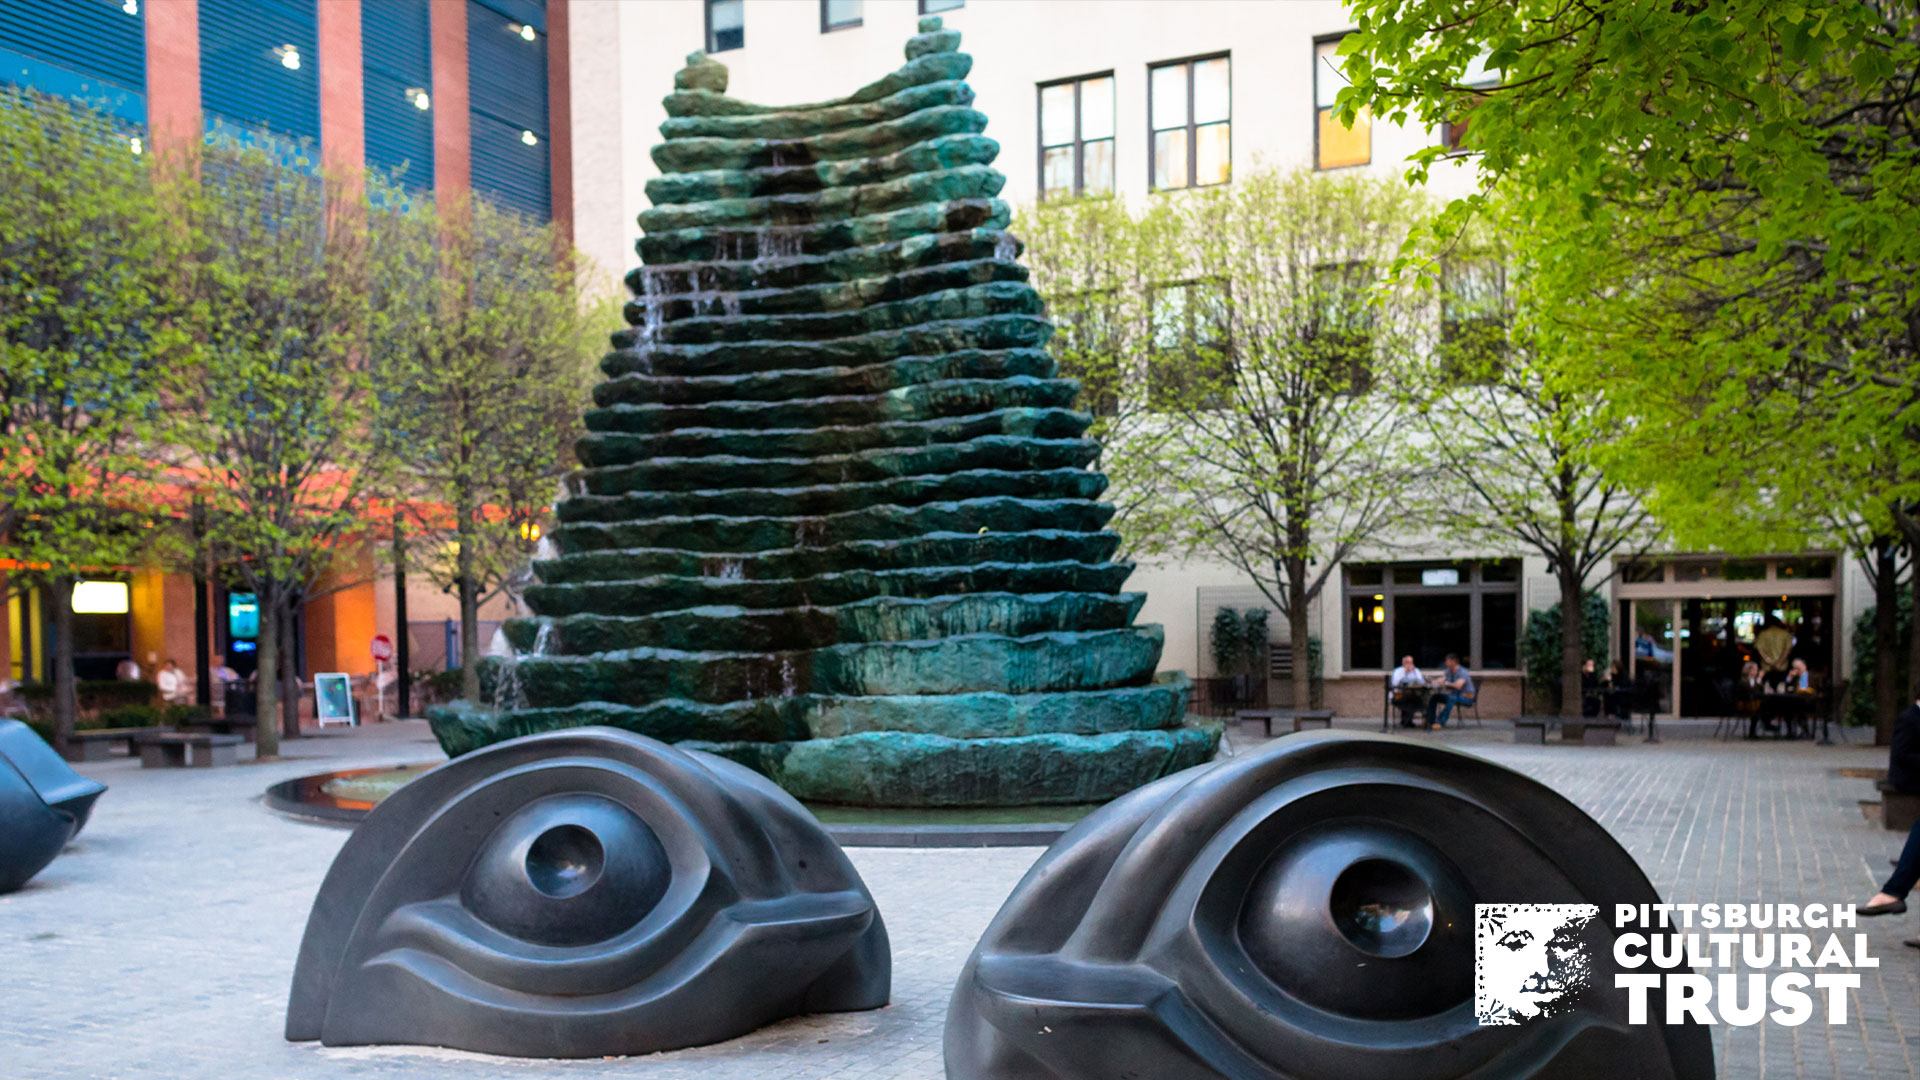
<point x="160" y="945"/>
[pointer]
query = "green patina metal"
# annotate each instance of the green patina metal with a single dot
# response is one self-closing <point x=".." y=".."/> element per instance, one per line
<point x="835" y="519"/>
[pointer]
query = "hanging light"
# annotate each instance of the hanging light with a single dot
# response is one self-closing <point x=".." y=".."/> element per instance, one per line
<point x="131" y="7"/>
<point x="526" y="33"/>
<point x="530" y="531"/>
<point x="420" y="98"/>
<point x="289" y="56"/>
<point x="136" y="145"/>
<point x="529" y="138"/>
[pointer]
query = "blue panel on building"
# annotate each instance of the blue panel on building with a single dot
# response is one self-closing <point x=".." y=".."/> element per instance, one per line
<point x="397" y="43"/>
<point x="260" y="65"/>
<point x="95" y="50"/>
<point x="507" y="80"/>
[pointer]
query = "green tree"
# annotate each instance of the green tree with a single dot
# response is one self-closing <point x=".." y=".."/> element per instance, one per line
<point x="1516" y="435"/>
<point x="1725" y="200"/>
<point x="83" y="330"/>
<point x="1270" y="375"/>
<point x="488" y="363"/>
<point x="276" y="410"/>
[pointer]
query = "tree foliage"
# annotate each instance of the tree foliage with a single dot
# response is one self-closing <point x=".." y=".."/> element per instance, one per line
<point x="487" y="362"/>
<point x="1255" y="323"/>
<point x="84" y="330"/>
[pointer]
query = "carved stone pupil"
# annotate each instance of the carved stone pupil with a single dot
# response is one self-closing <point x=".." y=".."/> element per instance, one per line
<point x="1382" y="907"/>
<point x="565" y="861"/>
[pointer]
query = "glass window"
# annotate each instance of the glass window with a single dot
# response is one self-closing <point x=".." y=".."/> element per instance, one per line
<point x="1191" y="366"/>
<point x="1429" y="609"/>
<point x="1336" y="146"/>
<point x="1745" y="570"/>
<point x="1453" y="132"/>
<point x="726" y="25"/>
<point x="840" y="14"/>
<point x="1804" y="568"/>
<point x="1190" y="108"/>
<point x="1076" y="137"/>
<point x="935" y="7"/>
<point x="1086" y="329"/>
<point x="1366" y="631"/>
<point x="1473" y="318"/>
<point x="1643" y="572"/>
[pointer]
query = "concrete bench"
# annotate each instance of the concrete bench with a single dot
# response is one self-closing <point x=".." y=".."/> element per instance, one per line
<point x="1898" y="809"/>
<point x="96" y="744"/>
<point x="1531" y="730"/>
<point x="245" y="726"/>
<point x="1589" y="732"/>
<point x="1301" y="719"/>
<point x="179" y="750"/>
<point x="1314" y="720"/>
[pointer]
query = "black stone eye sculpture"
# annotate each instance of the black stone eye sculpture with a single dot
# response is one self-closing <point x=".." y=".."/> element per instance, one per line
<point x="1304" y="911"/>
<point x="43" y="804"/>
<point x="584" y="893"/>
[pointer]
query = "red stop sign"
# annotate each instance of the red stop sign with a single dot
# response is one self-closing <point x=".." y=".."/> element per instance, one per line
<point x="382" y="647"/>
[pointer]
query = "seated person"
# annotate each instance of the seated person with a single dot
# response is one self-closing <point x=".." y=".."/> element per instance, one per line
<point x="175" y="687"/>
<point x="1456" y="688"/>
<point x="1591" y="692"/>
<point x="1903" y="762"/>
<point x="1799" y="679"/>
<point x="1619" y="693"/>
<point x="1408" y="686"/>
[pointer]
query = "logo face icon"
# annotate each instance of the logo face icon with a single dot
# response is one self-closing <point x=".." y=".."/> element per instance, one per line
<point x="1529" y="960"/>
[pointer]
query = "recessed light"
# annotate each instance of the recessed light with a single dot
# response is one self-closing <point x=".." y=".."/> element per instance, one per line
<point x="527" y="33"/>
<point x="530" y="138"/>
<point x="420" y="98"/>
<point x="289" y="57"/>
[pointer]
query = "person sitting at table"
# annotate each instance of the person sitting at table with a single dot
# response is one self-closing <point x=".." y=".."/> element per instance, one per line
<point x="1591" y="692"/>
<point x="1456" y="688"/>
<point x="1619" y="693"/>
<point x="1407" y="685"/>
<point x="1799" y="679"/>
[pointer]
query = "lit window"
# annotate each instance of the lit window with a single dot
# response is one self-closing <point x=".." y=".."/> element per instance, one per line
<point x="935" y="7"/>
<point x="726" y="25"/>
<point x="99" y="598"/>
<point x="1427" y="610"/>
<point x="1076" y="137"/>
<point x="839" y="14"/>
<point x="1336" y="146"/>
<point x="1190" y="103"/>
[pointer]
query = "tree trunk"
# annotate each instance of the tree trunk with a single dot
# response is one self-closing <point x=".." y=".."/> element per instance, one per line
<point x="1297" y="632"/>
<point x="266" y="686"/>
<point x="469" y="612"/>
<point x="1886" y="642"/>
<point x="1573" y="644"/>
<point x="289" y="674"/>
<point x="66" y="695"/>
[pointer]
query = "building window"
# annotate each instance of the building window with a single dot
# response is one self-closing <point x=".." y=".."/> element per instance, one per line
<point x="840" y="14"/>
<point x="935" y="7"/>
<point x="1473" y="318"/>
<point x="1191" y="364"/>
<point x="1076" y="137"/>
<point x="1429" y="609"/>
<point x="1085" y="345"/>
<point x="726" y="25"/>
<point x="1342" y="333"/>
<point x="1190" y="109"/>
<point x="1336" y="146"/>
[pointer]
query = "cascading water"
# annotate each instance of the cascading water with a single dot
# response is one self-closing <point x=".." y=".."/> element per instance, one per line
<point x="836" y="519"/>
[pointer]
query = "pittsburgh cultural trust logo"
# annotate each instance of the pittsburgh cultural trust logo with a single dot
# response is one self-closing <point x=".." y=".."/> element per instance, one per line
<point x="1733" y="964"/>
<point x="1528" y="960"/>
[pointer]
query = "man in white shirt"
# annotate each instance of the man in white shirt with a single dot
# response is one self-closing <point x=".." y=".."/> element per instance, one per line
<point x="175" y="688"/>
<point x="1406" y="685"/>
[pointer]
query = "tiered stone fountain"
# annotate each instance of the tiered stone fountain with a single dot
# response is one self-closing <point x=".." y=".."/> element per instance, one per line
<point x="835" y="520"/>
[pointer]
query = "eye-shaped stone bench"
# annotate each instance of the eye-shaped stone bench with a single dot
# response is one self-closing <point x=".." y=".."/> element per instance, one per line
<point x="178" y="750"/>
<point x="43" y="804"/>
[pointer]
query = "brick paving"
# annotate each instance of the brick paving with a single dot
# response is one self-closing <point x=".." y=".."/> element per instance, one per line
<point x="160" y="945"/>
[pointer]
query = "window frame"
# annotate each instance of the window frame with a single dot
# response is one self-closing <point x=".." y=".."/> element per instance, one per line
<point x="1192" y="129"/>
<point x="1192" y="315"/>
<point x="1473" y="585"/>
<point x="828" y="27"/>
<point x="1314" y="90"/>
<point x="709" y="43"/>
<point x="952" y="5"/>
<point x="1079" y="143"/>
<point x="1456" y="326"/>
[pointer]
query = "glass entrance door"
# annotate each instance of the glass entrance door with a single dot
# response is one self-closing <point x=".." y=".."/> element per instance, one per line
<point x="1651" y="652"/>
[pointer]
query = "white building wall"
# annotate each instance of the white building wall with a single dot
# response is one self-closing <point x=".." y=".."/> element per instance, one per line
<point x="627" y="51"/>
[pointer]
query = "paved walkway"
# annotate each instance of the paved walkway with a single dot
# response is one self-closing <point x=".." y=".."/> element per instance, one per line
<point x="161" y="944"/>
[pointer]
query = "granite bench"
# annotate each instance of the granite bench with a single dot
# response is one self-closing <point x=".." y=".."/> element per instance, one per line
<point x="177" y="750"/>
